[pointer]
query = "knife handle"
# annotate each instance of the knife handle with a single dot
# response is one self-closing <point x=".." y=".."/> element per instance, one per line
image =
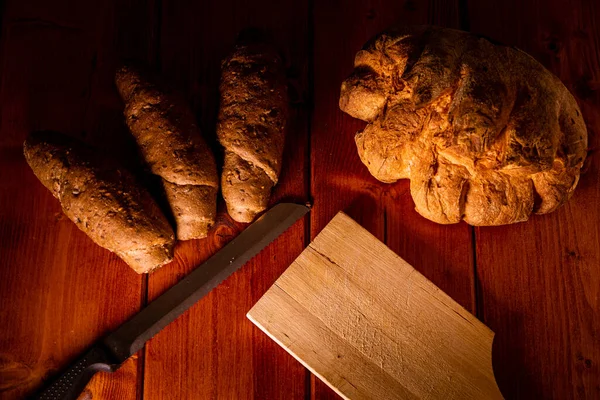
<point x="72" y="381"/>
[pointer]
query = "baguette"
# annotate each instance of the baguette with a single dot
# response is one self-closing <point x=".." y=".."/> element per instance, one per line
<point x="166" y="132"/>
<point x="103" y="199"/>
<point x="251" y="127"/>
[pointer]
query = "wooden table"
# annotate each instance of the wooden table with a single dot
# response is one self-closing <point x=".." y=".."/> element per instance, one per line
<point x="536" y="284"/>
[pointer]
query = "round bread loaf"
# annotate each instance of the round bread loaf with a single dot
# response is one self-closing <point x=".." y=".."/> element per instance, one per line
<point x="483" y="131"/>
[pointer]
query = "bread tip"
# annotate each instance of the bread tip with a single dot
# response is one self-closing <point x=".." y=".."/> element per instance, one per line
<point x="242" y="214"/>
<point x="126" y="77"/>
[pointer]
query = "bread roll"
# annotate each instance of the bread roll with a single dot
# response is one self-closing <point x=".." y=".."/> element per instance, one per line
<point x="103" y="199"/>
<point x="166" y="132"/>
<point x="483" y="131"/>
<point x="251" y="126"/>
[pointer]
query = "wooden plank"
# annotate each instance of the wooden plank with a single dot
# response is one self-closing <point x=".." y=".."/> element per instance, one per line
<point x="540" y="279"/>
<point x="340" y="181"/>
<point x="333" y="360"/>
<point x="213" y="351"/>
<point x="58" y="289"/>
<point x="371" y="326"/>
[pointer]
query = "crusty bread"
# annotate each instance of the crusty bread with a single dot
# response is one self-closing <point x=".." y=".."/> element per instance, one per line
<point x="483" y="131"/>
<point x="170" y="141"/>
<point x="251" y="127"/>
<point x="103" y="199"/>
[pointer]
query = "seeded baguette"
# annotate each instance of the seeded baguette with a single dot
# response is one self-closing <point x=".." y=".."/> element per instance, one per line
<point x="170" y="141"/>
<point x="251" y="127"/>
<point x="103" y="199"/>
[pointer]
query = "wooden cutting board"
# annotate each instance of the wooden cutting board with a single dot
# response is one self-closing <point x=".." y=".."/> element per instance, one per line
<point x="371" y="326"/>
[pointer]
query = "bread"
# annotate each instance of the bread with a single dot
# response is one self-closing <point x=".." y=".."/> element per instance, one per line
<point x="166" y="132"/>
<point x="484" y="132"/>
<point x="103" y="199"/>
<point x="251" y="126"/>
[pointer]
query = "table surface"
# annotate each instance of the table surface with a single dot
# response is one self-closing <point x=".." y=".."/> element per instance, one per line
<point x="536" y="284"/>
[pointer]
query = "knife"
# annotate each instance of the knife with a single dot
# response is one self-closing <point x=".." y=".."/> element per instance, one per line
<point x="109" y="353"/>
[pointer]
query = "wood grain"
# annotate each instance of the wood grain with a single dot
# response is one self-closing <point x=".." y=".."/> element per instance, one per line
<point x="341" y="182"/>
<point x="537" y="283"/>
<point x="59" y="291"/>
<point x="213" y="351"/>
<point x="540" y="280"/>
<point x="371" y="326"/>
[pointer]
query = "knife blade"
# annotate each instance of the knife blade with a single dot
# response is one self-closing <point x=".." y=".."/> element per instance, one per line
<point x="114" y="349"/>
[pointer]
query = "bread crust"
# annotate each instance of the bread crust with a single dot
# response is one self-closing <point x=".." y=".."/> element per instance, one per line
<point x="251" y="127"/>
<point x="103" y="199"/>
<point x="484" y="132"/>
<point x="170" y="141"/>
